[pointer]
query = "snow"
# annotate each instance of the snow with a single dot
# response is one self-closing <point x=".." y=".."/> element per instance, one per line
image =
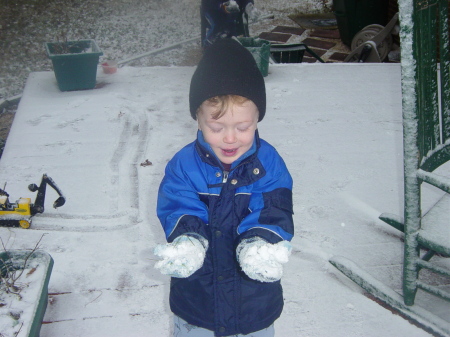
<point x="182" y="257"/>
<point x="19" y="310"/>
<point x="122" y="28"/>
<point x="338" y="127"/>
<point x="263" y="261"/>
<point x="19" y="306"/>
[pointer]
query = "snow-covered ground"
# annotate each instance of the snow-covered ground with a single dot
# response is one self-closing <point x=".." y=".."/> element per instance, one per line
<point x="122" y="28"/>
<point x="338" y="126"/>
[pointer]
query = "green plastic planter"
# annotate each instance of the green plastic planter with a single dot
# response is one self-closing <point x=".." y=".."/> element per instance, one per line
<point x="74" y="63"/>
<point x="260" y="50"/>
<point x="38" y="259"/>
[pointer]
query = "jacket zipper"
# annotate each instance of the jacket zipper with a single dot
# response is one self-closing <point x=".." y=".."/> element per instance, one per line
<point x="225" y="176"/>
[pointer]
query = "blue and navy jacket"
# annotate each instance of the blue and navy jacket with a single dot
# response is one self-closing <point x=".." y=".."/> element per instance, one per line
<point x="253" y="199"/>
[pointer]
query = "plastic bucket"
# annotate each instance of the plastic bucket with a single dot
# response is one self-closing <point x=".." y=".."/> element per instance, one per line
<point x="74" y="63"/>
<point x="260" y="49"/>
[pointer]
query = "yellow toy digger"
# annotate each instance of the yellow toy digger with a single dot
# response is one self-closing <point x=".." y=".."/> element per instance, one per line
<point x="20" y="213"/>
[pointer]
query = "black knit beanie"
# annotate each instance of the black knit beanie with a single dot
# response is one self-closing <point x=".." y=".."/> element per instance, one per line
<point x="227" y="68"/>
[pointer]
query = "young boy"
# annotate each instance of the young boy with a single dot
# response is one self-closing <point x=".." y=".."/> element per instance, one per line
<point x="225" y="204"/>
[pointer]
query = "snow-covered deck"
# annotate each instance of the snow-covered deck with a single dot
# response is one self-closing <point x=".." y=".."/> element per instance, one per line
<point x="338" y="127"/>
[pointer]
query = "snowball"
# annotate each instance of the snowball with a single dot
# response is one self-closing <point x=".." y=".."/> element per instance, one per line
<point x="263" y="261"/>
<point x="182" y="257"/>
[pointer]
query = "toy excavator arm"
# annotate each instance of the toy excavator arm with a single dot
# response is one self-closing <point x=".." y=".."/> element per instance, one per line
<point x="38" y="206"/>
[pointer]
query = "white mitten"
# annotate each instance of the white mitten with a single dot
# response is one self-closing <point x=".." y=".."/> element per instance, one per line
<point x="183" y="257"/>
<point x="252" y="12"/>
<point x="263" y="261"/>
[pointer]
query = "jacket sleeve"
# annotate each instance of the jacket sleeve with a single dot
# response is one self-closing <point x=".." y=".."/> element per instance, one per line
<point x="271" y="205"/>
<point x="179" y="207"/>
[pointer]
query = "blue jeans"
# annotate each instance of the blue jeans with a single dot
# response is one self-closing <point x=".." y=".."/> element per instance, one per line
<point x="184" y="329"/>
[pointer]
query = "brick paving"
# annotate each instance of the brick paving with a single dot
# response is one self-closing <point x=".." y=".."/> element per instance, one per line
<point x="289" y="30"/>
<point x="326" y="43"/>
<point x="275" y="37"/>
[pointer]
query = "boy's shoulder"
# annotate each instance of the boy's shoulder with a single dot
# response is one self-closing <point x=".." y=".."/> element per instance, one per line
<point x="269" y="156"/>
<point x="266" y="144"/>
<point x="267" y="149"/>
<point x="184" y="153"/>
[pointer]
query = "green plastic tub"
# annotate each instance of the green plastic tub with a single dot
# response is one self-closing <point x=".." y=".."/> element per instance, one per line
<point x="260" y="50"/>
<point x="38" y="259"/>
<point x="74" y="63"/>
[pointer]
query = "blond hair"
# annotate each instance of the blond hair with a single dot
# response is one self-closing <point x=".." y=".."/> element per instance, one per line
<point x="222" y="102"/>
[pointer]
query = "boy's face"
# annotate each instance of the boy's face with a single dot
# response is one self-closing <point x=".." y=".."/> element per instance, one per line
<point x="231" y="135"/>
